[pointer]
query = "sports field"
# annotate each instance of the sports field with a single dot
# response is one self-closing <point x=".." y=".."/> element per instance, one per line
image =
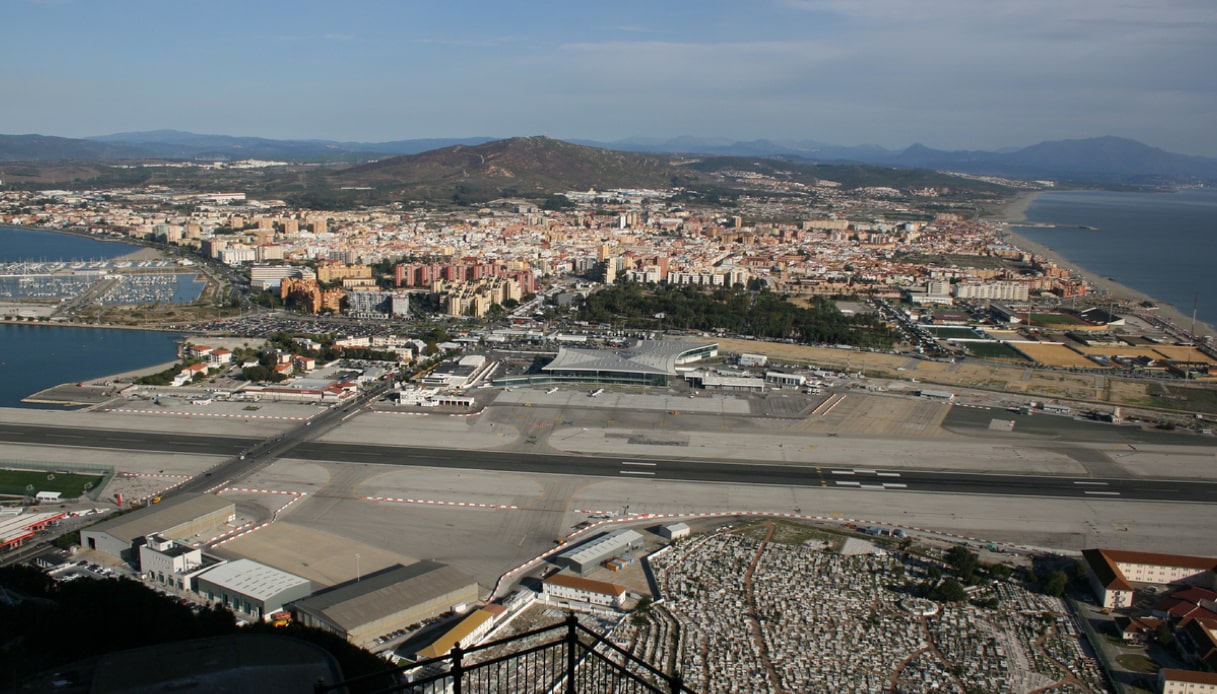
<point x="1055" y="320"/>
<point x="950" y="331"/>
<point x="30" y="482"/>
<point x="992" y="350"/>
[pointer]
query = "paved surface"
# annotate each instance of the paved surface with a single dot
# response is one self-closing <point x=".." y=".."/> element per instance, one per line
<point x="565" y="455"/>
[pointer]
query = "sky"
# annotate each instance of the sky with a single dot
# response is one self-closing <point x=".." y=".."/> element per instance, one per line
<point x="950" y="74"/>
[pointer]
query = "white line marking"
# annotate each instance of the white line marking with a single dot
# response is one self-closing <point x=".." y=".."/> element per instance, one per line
<point x="842" y="472"/>
<point x="849" y="484"/>
<point x="1104" y="493"/>
<point x="864" y="470"/>
<point x="627" y="462"/>
<point x="888" y="474"/>
<point x="1093" y="484"/>
<point x="635" y="472"/>
<point x="894" y="485"/>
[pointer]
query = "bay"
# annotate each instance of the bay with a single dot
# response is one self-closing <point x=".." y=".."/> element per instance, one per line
<point x="18" y="245"/>
<point x="1161" y="244"/>
<point x="34" y="357"/>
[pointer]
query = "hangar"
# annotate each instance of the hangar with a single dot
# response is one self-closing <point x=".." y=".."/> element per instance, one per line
<point x="386" y="601"/>
<point x="251" y="589"/>
<point x="176" y="518"/>
<point x="588" y="555"/>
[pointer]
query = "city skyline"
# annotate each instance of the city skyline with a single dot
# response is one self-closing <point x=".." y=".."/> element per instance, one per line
<point x="948" y="74"/>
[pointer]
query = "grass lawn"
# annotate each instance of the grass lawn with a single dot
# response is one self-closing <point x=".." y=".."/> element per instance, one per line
<point x="18" y="482"/>
<point x="992" y="350"/>
<point x="1138" y="663"/>
<point x="1054" y="319"/>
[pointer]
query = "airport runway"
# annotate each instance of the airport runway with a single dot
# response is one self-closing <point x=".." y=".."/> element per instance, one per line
<point x="643" y="469"/>
<point x="296" y="445"/>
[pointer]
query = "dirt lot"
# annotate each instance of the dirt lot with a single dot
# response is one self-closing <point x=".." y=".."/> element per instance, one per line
<point x="1023" y="379"/>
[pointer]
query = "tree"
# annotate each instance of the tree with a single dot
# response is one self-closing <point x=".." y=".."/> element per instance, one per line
<point x="963" y="561"/>
<point x="949" y="590"/>
<point x="1055" y="584"/>
<point x="1000" y="571"/>
<point x="1165" y="635"/>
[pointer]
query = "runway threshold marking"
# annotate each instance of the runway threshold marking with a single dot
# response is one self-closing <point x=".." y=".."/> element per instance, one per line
<point x="848" y="484"/>
<point x="887" y="474"/>
<point x="842" y="472"/>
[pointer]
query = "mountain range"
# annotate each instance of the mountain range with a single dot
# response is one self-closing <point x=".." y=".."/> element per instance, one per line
<point x="1100" y="159"/>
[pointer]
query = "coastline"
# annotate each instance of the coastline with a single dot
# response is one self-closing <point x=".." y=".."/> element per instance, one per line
<point x="1015" y="212"/>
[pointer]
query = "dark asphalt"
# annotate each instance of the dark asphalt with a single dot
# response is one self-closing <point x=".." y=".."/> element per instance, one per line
<point x="298" y="444"/>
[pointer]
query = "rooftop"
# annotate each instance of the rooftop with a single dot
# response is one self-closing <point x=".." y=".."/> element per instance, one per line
<point x="162" y="517"/>
<point x="248" y="577"/>
<point x="657" y="357"/>
<point x="354" y="603"/>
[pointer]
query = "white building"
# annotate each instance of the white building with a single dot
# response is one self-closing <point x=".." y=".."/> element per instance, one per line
<point x="674" y="531"/>
<point x="567" y="587"/>
<point x="1112" y="572"/>
<point x="251" y="589"/>
<point x="1000" y="291"/>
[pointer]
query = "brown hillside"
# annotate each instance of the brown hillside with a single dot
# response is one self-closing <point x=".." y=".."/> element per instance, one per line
<point x="520" y="165"/>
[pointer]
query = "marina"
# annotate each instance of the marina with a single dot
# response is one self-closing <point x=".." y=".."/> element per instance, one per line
<point x="103" y="282"/>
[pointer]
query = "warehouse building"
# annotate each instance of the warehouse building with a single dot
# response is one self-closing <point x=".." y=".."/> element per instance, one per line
<point x="396" y="598"/>
<point x="250" y="589"/>
<point x="588" y="555"/>
<point x="177" y="518"/>
<point x="674" y="531"/>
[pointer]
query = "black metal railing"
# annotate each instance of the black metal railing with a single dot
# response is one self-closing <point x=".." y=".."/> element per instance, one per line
<point x="563" y="658"/>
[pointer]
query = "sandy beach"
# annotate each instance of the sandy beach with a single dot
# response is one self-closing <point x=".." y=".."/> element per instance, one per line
<point x="1016" y="211"/>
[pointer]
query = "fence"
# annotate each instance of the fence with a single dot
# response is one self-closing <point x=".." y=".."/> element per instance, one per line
<point x="563" y="658"/>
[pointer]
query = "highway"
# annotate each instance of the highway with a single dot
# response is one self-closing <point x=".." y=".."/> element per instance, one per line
<point x="300" y="444"/>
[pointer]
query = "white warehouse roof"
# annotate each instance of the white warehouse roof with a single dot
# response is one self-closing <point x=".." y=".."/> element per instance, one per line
<point x="590" y="552"/>
<point x="248" y="577"/>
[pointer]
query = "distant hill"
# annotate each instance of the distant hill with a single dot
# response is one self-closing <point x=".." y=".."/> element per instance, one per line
<point x="177" y="144"/>
<point x="1100" y="157"/>
<point x="1098" y="160"/>
<point x="47" y="148"/>
<point x="516" y="166"/>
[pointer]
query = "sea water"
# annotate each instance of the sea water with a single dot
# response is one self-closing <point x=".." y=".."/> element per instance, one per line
<point x="1161" y="244"/>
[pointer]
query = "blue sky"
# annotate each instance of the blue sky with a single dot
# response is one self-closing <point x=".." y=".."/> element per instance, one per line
<point x="953" y="74"/>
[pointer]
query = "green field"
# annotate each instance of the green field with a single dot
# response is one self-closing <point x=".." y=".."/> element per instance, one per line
<point x="1054" y="319"/>
<point x="949" y="331"/>
<point x="19" y="483"/>
<point x="992" y="350"/>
